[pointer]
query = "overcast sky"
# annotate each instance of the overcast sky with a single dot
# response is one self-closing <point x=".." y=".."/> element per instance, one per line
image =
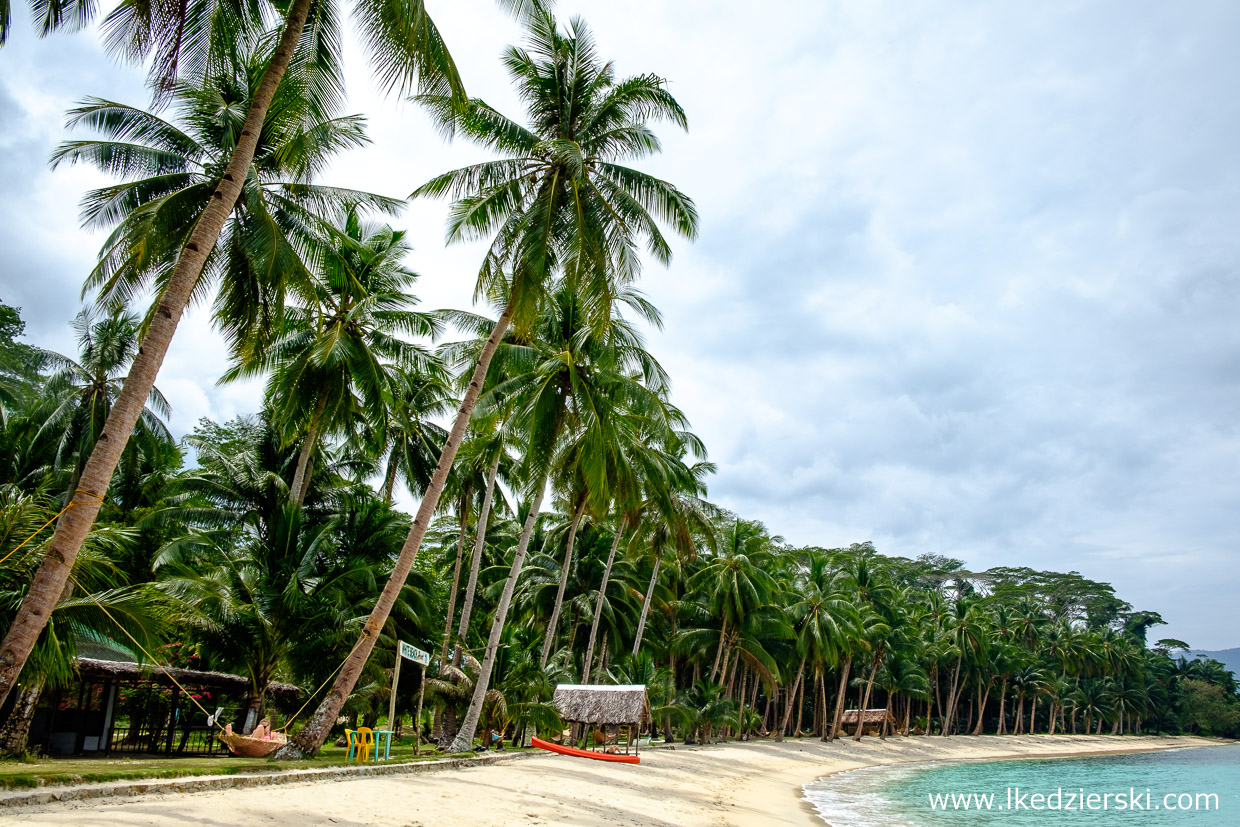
<point x="967" y="281"/>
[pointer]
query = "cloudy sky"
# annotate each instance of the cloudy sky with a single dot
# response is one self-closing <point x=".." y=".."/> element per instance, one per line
<point x="967" y="281"/>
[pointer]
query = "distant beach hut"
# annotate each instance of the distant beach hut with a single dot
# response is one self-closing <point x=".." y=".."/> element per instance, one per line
<point x="873" y="720"/>
<point x="605" y="708"/>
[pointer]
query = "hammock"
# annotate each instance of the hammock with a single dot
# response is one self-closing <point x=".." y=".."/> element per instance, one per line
<point x="249" y="747"/>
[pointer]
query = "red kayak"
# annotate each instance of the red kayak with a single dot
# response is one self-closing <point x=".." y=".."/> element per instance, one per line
<point x="584" y="753"/>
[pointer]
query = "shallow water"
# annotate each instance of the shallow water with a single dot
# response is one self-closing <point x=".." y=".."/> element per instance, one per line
<point x="1144" y="788"/>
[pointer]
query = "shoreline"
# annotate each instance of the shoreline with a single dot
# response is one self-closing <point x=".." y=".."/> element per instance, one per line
<point x="756" y="782"/>
<point x="1198" y="743"/>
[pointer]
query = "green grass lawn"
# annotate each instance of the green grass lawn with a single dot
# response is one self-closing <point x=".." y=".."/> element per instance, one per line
<point x="79" y="770"/>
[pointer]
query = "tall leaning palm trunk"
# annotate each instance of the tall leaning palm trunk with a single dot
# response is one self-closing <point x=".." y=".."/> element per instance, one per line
<point x="865" y="700"/>
<point x="456" y="581"/>
<point x="953" y="699"/>
<point x="549" y="640"/>
<point x="315" y="732"/>
<point x="982" y="698"/>
<point x="792" y="693"/>
<point x="465" y="736"/>
<point x="475" y="562"/>
<point x="71" y="530"/>
<point x="641" y="621"/>
<point x="598" y="605"/>
<point x="301" y="476"/>
<point x="840" y="698"/>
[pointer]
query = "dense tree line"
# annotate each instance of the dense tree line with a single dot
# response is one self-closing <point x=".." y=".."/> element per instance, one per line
<point x="563" y="524"/>
<point x="203" y="542"/>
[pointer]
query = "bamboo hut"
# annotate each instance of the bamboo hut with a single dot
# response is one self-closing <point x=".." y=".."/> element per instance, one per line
<point x="872" y="722"/>
<point x="604" y="710"/>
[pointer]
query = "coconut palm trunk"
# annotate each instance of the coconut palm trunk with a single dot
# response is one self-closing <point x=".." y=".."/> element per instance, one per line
<point x="549" y="640"/>
<point x="598" y="606"/>
<point x="641" y="621"/>
<point x="723" y="637"/>
<point x="312" y="736"/>
<point x="17" y="728"/>
<point x="456" y="583"/>
<point x="796" y="684"/>
<point x="865" y="701"/>
<point x="839" y="699"/>
<point x="953" y="699"/>
<point x="982" y="698"/>
<point x="49" y="580"/>
<point x="475" y="562"/>
<point x="389" y="479"/>
<point x="301" y="477"/>
<point x="1002" y="728"/>
<point x="464" y="740"/>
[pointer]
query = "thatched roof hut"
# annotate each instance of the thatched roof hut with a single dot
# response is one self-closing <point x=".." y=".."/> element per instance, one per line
<point x="125" y="671"/>
<point x="872" y="717"/>
<point x="602" y="705"/>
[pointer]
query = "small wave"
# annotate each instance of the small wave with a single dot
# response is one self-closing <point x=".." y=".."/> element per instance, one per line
<point x="855" y="798"/>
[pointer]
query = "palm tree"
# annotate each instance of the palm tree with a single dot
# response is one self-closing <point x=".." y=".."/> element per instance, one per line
<point x="549" y="213"/>
<point x="671" y="525"/>
<point x="577" y="381"/>
<point x="1026" y="683"/>
<point x="968" y="636"/>
<point x="413" y="438"/>
<point x="605" y="457"/>
<point x="734" y="581"/>
<point x="651" y="470"/>
<point x="826" y="619"/>
<point x="171" y="170"/>
<point x="81" y="393"/>
<point x="406" y="51"/>
<point x="336" y="366"/>
<point x="48" y="17"/>
<point x="711" y="708"/>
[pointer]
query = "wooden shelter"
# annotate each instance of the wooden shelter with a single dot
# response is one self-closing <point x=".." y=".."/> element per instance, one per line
<point x="872" y="721"/>
<point x="602" y="709"/>
<point x="121" y="706"/>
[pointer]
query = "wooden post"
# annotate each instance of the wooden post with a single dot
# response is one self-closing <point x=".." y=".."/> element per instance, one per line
<point x="395" y="683"/>
<point x="417" y="720"/>
<point x="172" y="720"/>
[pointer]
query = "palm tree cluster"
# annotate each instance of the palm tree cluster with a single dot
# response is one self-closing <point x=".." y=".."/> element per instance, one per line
<point x="563" y="513"/>
<point x="630" y="574"/>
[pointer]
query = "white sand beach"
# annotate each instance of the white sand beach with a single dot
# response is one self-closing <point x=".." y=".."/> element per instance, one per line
<point x="753" y="783"/>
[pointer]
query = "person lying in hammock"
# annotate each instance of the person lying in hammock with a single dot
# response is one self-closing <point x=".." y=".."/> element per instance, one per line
<point x="261" y="730"/>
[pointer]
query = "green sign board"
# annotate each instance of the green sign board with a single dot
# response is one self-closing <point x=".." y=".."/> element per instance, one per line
<point x="413" y="653"/>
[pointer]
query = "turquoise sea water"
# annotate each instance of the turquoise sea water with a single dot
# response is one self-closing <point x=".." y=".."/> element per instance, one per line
<point x="1138" y="786"/>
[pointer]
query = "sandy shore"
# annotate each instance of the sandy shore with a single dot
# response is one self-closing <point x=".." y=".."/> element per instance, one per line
<point x="754" y="783"/>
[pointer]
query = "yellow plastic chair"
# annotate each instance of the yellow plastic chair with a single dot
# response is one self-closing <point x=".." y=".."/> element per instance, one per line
<point x="365" y="741"/>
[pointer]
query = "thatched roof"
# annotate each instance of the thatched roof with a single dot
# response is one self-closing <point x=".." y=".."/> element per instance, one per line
<point x="119" y="670"/>
<point x="594" y="704"/>
<point x="872" y="716"/>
